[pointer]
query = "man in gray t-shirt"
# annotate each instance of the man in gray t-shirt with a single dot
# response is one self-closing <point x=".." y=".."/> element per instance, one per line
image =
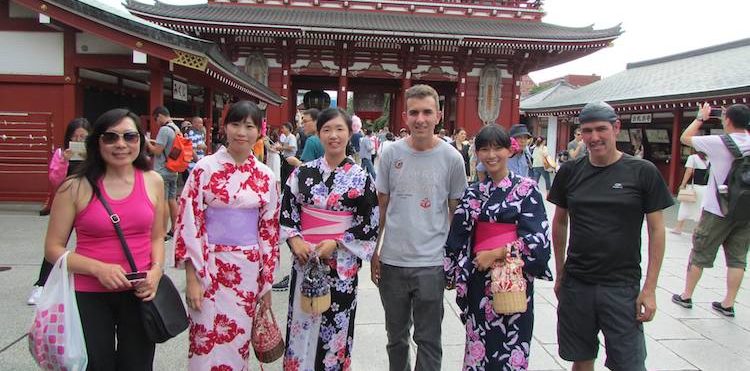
<point x="420" y="180"/>
<point x="160" y="148"/>
<point x="576" y="147"/>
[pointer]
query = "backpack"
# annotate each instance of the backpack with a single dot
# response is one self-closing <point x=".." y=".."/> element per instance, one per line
<point x="735" y="202"/>
<point x="181" y="153"/>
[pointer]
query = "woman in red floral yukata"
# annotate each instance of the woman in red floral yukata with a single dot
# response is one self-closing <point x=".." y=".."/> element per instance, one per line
<point x="227" y="240"/>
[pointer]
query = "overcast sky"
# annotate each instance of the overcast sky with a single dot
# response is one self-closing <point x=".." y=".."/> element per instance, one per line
<point x="653" y="29"/>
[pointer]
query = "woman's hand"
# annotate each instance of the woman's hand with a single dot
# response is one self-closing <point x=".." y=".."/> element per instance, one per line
<point x="193" y="292"/>
<point x="326" y="248"/>
<point x="300" y="249"/>
<point x="112" y="277"/>
<point x="485" y="259"/>
<point x="146" y="289"/>
<point x="264" y="302"/>
<point x="67" y="154"/>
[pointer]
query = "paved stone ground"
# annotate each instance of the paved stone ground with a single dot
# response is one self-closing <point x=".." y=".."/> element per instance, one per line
<point x="678" y="339"/>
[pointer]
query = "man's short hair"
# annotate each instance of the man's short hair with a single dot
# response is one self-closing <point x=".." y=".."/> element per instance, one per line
<point x="739" y="114"/>
<point x="312" y="112"/>
<point x="422" y="91"/>
<point x="161" y="110"/>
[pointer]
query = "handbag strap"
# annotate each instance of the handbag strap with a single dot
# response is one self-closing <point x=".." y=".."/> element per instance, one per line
<point x="115" y="219"/>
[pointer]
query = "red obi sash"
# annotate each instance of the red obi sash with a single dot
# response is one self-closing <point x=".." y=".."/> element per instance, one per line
<point x="320" y="224"/>
<point x="490" y="236"/>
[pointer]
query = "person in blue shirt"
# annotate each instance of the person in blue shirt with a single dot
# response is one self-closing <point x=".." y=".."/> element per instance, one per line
<point x="313" y="149"/>
<point x="520" y="163"/>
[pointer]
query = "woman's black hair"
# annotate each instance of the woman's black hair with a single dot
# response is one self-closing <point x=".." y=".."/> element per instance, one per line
<point x="329" y="114"/>
<point x="492" y="135"/>
<point x="75" y="124"/>
<point x="242" y="110"/>
<point x="93" y="166"/>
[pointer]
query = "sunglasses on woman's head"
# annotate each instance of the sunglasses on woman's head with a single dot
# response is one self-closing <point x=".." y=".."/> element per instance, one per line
<point x="110" y="137"/>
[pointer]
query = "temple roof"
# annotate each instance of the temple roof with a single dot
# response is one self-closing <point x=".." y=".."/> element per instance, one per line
<point x="698" y="74"/>
<point x="127" y="23"/>
<point x="375" y="23"/>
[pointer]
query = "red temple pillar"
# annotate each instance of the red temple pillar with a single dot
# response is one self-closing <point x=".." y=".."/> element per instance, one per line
<point x="286" y="68"/>
<point x="156" y="92"/>
<point x="69" y="86"/>
<point x="676" y="157"/>
<point x="401" y="103"/>
<point x="515" y="112"/>
<point x="208" y="109"/>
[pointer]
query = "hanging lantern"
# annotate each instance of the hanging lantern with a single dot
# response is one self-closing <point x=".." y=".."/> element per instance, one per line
<point x="316" y="99"/>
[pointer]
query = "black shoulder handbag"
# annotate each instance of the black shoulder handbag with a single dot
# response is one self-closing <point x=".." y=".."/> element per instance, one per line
<point x="164" y="317"/>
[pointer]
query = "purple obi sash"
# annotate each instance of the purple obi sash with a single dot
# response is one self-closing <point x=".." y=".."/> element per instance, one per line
<point x="232" y="226"/>
<point x="319" y="224"/>
<point x="490" y="236"/>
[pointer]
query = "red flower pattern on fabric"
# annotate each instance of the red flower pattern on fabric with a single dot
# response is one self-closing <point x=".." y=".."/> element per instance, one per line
<point x="226" y="329"/>
<point x="201" y="340"/>
<point x="228" y="274"/>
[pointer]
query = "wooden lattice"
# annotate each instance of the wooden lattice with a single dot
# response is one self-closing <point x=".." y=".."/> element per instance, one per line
<point x="193" y="61"/>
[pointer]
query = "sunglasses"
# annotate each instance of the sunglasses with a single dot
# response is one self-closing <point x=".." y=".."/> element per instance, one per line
<point x="110" y="137"/>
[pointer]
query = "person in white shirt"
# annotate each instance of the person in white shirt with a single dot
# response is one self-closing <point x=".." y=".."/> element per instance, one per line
<point x="715" y="228"/>
<point x="696" y="177"/>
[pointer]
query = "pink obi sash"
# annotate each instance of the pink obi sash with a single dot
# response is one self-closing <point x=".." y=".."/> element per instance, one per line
<point x="490" y="236"/>
<point x="320" y="224"/>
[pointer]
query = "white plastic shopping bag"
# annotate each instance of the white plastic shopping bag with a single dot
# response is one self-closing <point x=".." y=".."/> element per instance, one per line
<point x="56" y="337"/>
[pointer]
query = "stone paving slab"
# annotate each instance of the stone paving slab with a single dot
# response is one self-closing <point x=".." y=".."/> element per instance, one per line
<point x="678" y="338"/>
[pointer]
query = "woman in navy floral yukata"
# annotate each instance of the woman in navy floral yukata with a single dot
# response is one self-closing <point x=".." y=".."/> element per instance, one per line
<point x="329" y="210"/>
<point x="496" y="342"/>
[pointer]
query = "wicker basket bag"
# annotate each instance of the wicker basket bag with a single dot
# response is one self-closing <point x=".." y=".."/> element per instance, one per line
<point x="315" y="287"/>
<point x="266" y="338"/>
<point x="508" y="283"/>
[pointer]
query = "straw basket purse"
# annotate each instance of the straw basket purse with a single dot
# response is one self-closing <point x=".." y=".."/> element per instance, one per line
<point x="687" y="194"/>
<point x="315" y="288"/>
<point x="268" y="343"/>
<point x="508" y="284"/>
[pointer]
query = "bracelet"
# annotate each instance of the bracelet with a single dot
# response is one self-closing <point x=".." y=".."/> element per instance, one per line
<point x="699" y="119"/>
<point x="157" y="265"/>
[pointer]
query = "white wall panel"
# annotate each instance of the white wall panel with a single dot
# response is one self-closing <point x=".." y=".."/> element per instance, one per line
<point x="31" y="53"/>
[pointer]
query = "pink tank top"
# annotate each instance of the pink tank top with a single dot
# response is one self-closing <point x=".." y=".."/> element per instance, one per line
<point x="97" y="239"/>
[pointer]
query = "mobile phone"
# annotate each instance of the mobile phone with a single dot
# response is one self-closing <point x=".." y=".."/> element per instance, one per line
<point x="134" y="277"/>
<point x="715" y="112"/>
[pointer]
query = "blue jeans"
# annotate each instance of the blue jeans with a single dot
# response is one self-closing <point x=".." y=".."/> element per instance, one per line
<point x="367" y="164"/>
<point x="539" y="172"/>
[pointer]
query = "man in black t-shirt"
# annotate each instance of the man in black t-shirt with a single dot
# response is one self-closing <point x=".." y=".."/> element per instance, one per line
<point x="606" y="195"/>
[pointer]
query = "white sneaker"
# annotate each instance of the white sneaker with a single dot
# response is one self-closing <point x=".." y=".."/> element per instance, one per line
<point x="36" y="293"/>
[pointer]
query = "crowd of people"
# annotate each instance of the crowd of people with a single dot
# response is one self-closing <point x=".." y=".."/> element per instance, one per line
<point x="428" y="212"/>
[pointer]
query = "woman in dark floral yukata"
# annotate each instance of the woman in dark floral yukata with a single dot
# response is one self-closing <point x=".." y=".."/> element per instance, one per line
<point x="329" y="211"/>
<point x="512" y="202"/>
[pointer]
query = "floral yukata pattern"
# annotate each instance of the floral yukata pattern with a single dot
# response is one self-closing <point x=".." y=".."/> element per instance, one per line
<point x="497" y="342"/>
<point x="233" y="277"/>
<point x="324" y="342"/>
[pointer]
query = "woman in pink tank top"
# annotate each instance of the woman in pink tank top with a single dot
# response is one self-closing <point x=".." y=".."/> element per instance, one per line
<point x="108" y="302"/>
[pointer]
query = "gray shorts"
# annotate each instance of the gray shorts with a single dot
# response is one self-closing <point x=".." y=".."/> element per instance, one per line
<point x="170" y="184"/>
<point x="585" y="309"/>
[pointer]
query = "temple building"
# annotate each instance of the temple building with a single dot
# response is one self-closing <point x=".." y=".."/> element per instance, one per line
<point x="473" y="52"/>
<point x="73" y="58"/>
<point x="655" y="99"/>
<point x="79" y="58"/>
